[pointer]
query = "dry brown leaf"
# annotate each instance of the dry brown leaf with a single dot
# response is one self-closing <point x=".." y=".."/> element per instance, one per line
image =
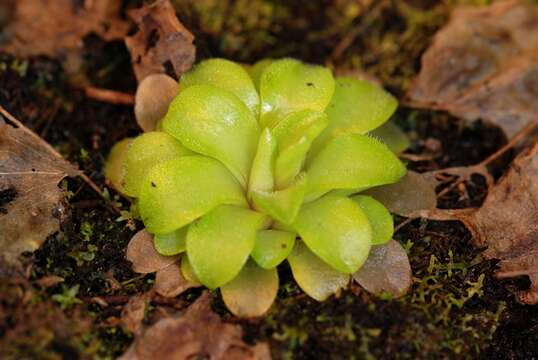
<point x="134" y="311"/>
<point x="484" y="64"/>
<point x="142" y="253"/>
<point x="57" y="27"/>
<point x="30" y="199"/>
<point x="198" y="332"/>
<point x="169" y="282"/>
<point x="507" y="223"/>
<point x="161" y="42"/>
<point x="387" y="270"/>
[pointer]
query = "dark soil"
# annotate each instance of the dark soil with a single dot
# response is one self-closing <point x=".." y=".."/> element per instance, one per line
<point x="456" y="308"/>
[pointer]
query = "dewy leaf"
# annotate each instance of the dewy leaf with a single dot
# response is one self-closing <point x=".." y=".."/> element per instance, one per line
<point x="144" y="153"/>
<point x="315" y="277"/>
<point x="194" y="334"/>
<point x="282" y="205"/>
<point x="379" y="218"/>
<point x="214" y="122"/>
<point x="352" y="162"/>
<point x="226" y="75"/>
<point x="172" y="243"/>
<point x="114" y="170"/>
<point x="179" y="191"/>
<point x="161" y="41"/>
<point x="169" y="282"/>
<point x="251" y="292"/>
<point x="141" y="252"/>
<point x="387" y="270"/>
<point x="30" y="170"/>
<point x="218" y="245"/>
<point x="337" y="230"/>
<point x="262" y="172"/>
<point x="357" y="106"/>
<point x="272" y="247"/>
<point x="295" y="134"/>
<point x="288" y="85"/>
<point x="414" y="192"/>
<point x="153" y="96"/>
<point x="391" y="135"/>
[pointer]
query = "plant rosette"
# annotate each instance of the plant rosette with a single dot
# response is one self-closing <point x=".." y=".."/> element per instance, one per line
<point x="244" y="167"/>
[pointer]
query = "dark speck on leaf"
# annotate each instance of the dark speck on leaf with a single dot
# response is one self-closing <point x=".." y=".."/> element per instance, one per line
<point x="309" y="84"/>
<point x="153" y="184"/>
<point x="284" y="246"/>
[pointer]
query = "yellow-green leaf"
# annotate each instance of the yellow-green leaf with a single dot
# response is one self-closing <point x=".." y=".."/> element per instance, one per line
<point x="337" y="230"/>
<point x="289" y="85"/>
<point x="178" y="191"/>
<point x="114" y="169"/>
<point x="214" y="122"/>
<point x="352" y="162"/>
<point x="252" y="291"/>
<point x="272" y="247"/>
<point x="262" y="172"/>
<point x="219" y="244"/>
<point x="392" y="136"/>
<point x="379" y="217"/>
<point x="146" y="151"/>
<point x="257" y="70"/>
<point x="172" y="243"/>
<point x="227" y="75"/>
<point x="317" y="279"/>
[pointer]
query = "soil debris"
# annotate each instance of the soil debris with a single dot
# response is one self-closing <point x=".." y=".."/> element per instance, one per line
<point x="162" y="44"/>
<point x="198" y="332"/>
<point x="30" y="199"/>
<point x="483" y="64"/>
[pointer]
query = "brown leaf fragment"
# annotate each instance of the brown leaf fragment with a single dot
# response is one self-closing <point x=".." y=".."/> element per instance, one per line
<point x="142" y="253"/>
<point x="198" y="332"/>
<point x="483" y="64"/>
<point x="507" y="222"/>
<point x="57" y="27"/>
<point x="161" y="42"/>
<point x="30" y="199"/>
<point x="169" y="282"/>
<point x="134" y="311"/>
<point x="387" y="270"/>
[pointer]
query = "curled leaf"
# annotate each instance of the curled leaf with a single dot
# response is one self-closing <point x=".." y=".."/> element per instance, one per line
<point x="387" y="270"/>
<point x="178" y="191"/>
<point x="414" y="192"/>
<point x="153" y="96"/>
<point x="218" y="245"/>
<point x="142" y="254"/>
<point x="252" y="292"/>
<point x="272" y="247"/>
<point x="214" y="122"/>
<point x="314" y="276"/>
<point x="337" y="230"/>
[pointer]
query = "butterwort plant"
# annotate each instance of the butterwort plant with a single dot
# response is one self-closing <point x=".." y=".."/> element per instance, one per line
<point x="254" y="166"/>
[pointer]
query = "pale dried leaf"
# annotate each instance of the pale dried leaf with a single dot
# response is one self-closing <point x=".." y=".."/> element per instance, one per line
<point x="30" y="199"/>
<point x="142" y="253"/>
<point x="173" y="45"/>
<point x="153" y="96"/>
<point x="387" y="270"/>
<point x="57" y="27"/>
<point x="413" y="193"/>
<point x="169" y="282"/>
<point x="483" y="64"/>
<point x="198" y="332"/>
<point x="507" y="222"/>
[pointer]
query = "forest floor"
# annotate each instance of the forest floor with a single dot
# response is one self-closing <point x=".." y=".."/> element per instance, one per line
<point x="455" y="309"/>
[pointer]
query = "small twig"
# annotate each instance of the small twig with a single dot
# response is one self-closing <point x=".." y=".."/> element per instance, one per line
<point x="109" y="96"/>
